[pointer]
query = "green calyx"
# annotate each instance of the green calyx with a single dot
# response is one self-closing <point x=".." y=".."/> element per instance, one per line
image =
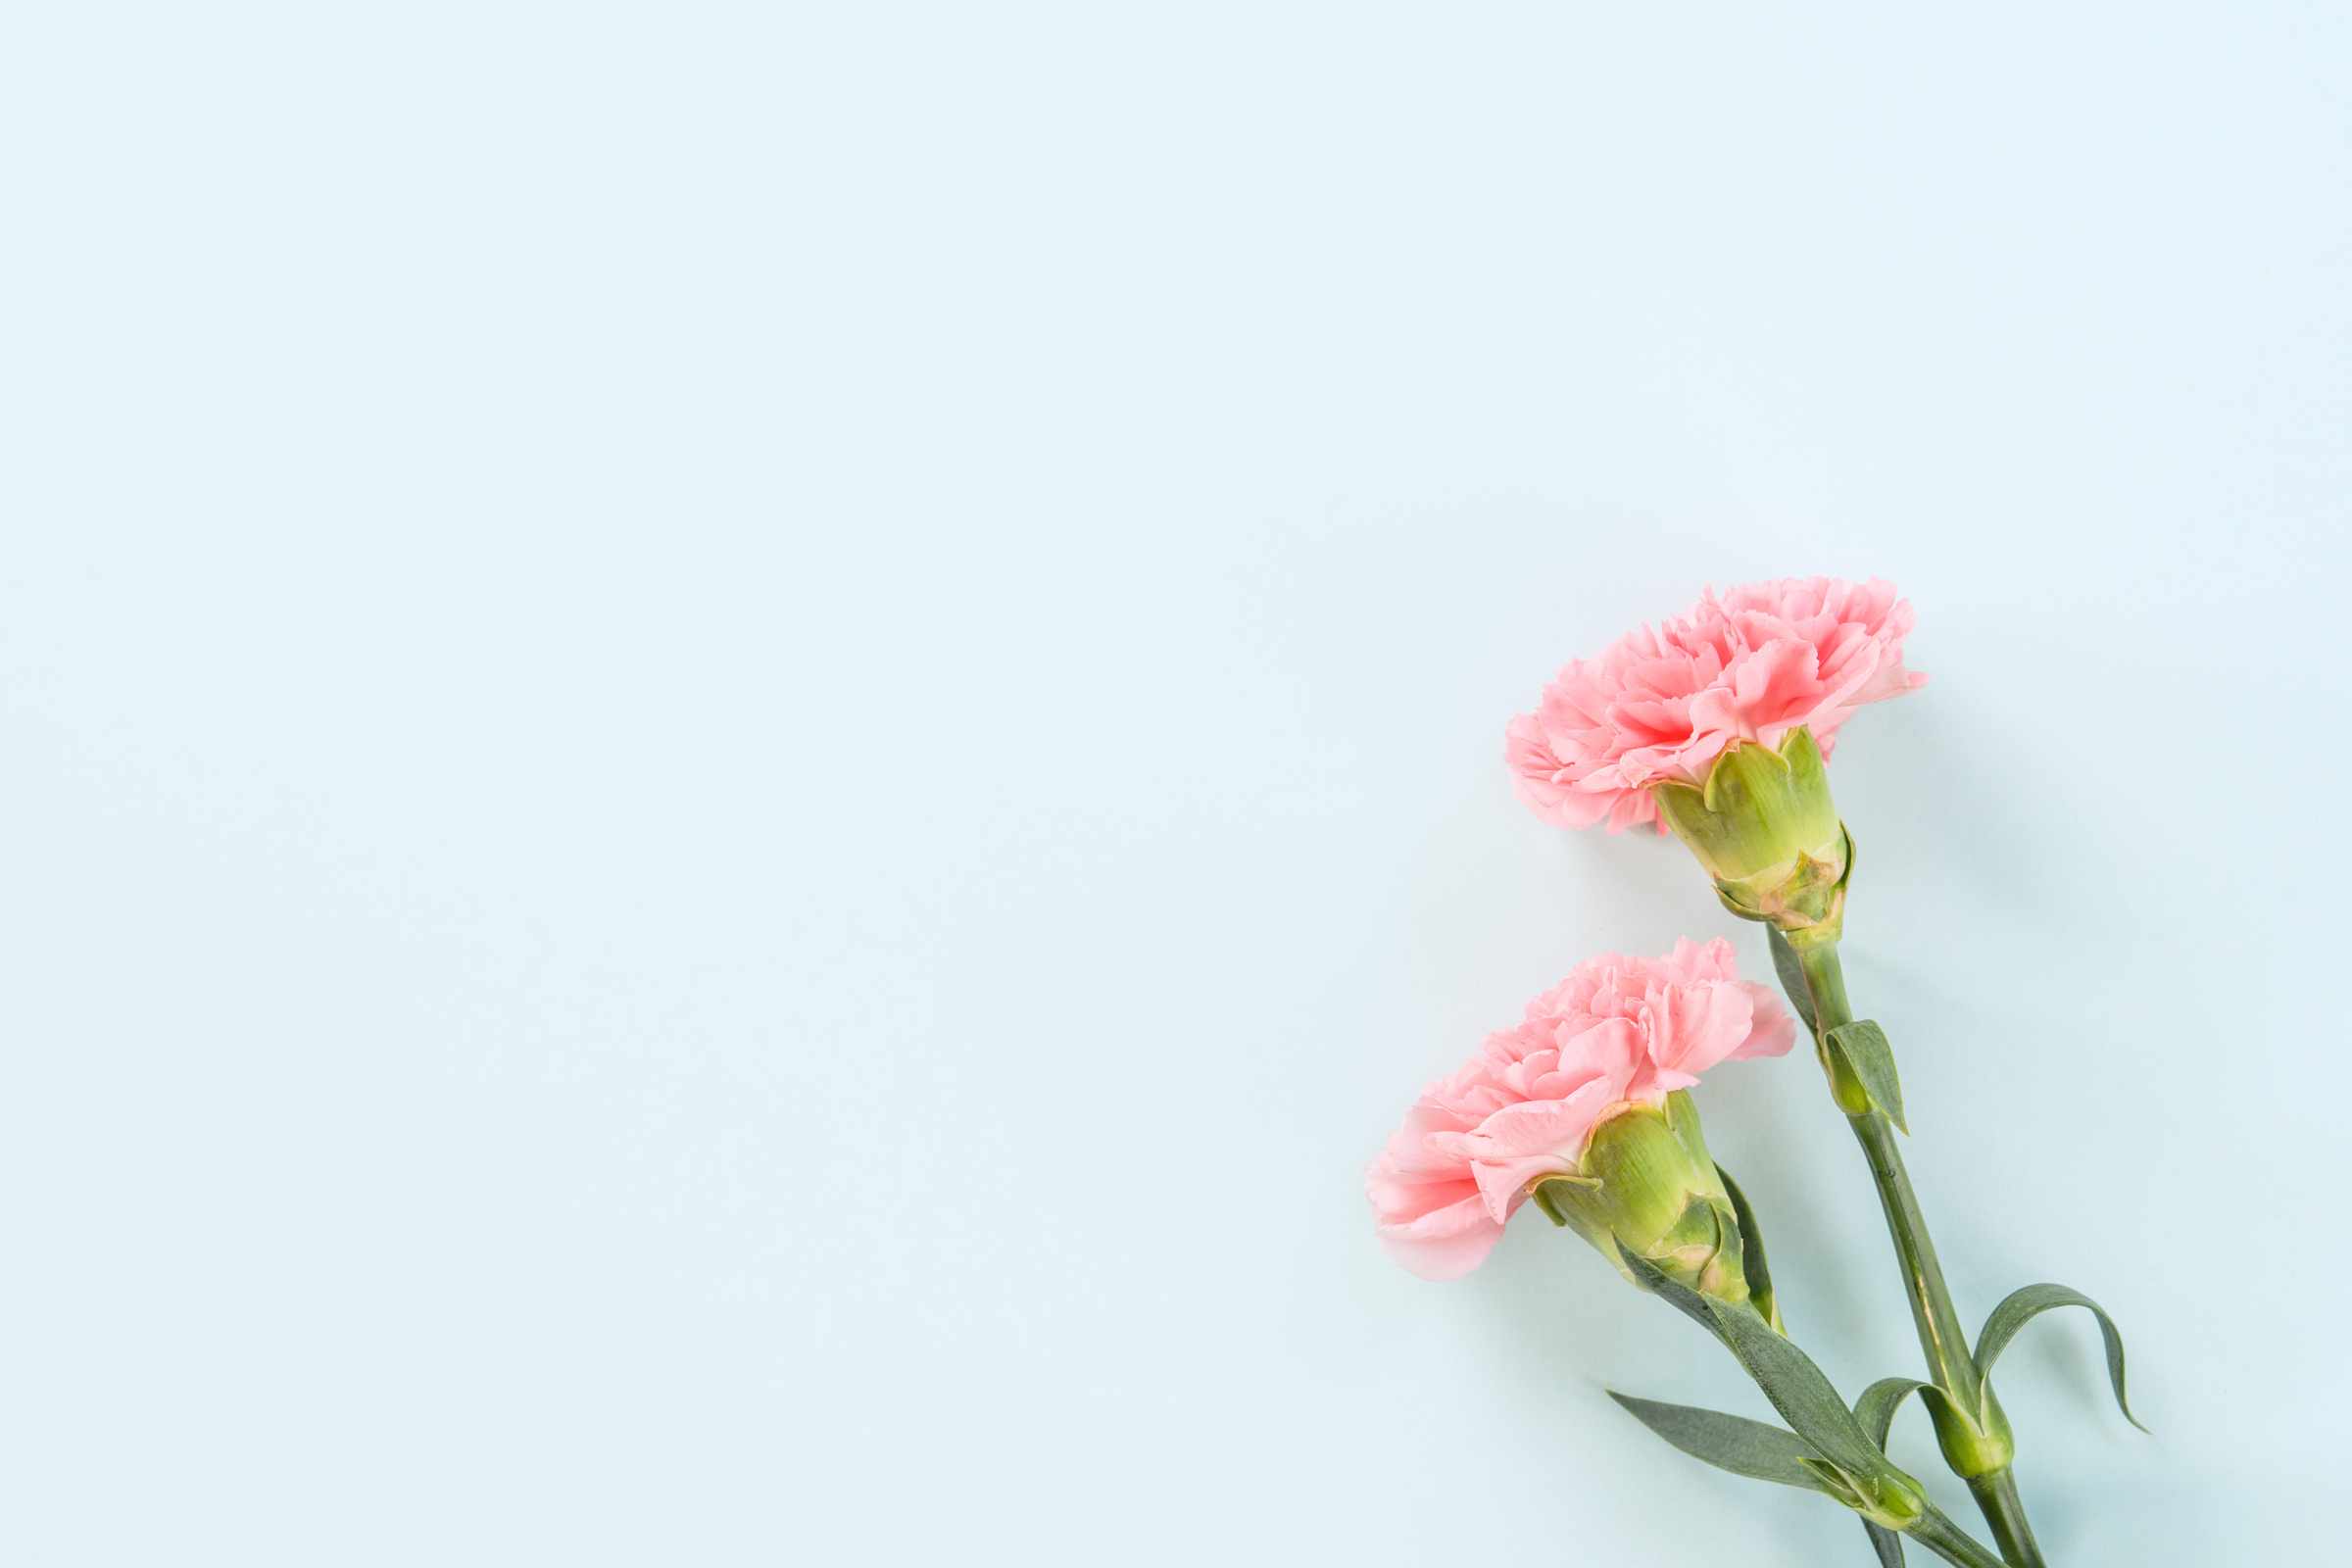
<point x="1648" y="1185"/>
<point x="1975" y="1443"/>
<point x="1765" y="827"/>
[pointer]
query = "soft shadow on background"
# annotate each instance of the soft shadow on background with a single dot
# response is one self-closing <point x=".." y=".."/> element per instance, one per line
<point x="751" y="748"/>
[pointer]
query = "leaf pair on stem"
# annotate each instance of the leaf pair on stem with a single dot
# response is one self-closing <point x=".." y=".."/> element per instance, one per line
<point x="1819" y="1453"/>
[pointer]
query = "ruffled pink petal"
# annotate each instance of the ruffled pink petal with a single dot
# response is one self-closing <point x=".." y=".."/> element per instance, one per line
<point x="1696" y="1026"/>
<point x="1663" y="702"/>
<point x="1618" y="1029"/>
<point x="1612" y="1051"/>
<point x="1444" y="1245"/>
<point x="1545" y="1137"/>
<point x="1774" y="1028"/>
<point x="1691" y="963"/>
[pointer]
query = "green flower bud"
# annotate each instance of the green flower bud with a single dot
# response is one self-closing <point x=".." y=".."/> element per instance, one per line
<point x="1765" y="828"/>
<point x="1647" y="1184"/>
<point x="1888" y="1499"/>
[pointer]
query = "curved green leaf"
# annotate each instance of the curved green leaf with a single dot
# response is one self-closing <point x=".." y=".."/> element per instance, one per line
<point x="1875" y="1411"/>
<point x="1730" y="1443"/>
<point x="1803" y="1395"/>
<point x="1879" y="1402"/>
<point x="2023" y="1307"/>
<point x="1864" y="1045"/>
<point x="1792" y="971"/>
<point x="1752" y="1252"/>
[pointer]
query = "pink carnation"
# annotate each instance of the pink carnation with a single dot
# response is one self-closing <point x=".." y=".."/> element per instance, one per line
<point x="1662" y="704"/>
<point x="1617" y="1031"/>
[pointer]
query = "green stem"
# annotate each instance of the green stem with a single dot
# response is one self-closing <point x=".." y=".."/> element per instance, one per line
<point x="1931" y="1311"/>
<point x="1996" y="1495"/>
<point x="1941" y="1336"/>
<point x="1973" y="1432"/>
<point x="1949" y="1541"/>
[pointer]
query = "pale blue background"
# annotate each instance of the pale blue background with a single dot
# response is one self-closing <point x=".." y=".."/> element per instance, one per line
<point x="747" y="749"/>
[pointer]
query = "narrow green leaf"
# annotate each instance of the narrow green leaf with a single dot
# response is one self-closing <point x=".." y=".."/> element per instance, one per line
<point x="1800" y="1391"/>
<point x="2023" y="1307"/>
<point x="1886" y="1543"/>
<point x="1879" y="1402"/>
<point x="1949" y="1541"/>
<point x="1752" y="1252"/>
<point x="1792" y="971"/>
<point x="1866" y="1048"/>
<point x="1729" y="1443"/>
<point x="1803" y="1395"/>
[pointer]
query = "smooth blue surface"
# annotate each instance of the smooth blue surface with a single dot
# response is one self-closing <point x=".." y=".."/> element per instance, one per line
<point x="749" y="748"/>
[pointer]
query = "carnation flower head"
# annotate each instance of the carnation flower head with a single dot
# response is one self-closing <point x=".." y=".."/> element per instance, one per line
<point x="1618" y="1032"/>
<point x="1663" y="704"/>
